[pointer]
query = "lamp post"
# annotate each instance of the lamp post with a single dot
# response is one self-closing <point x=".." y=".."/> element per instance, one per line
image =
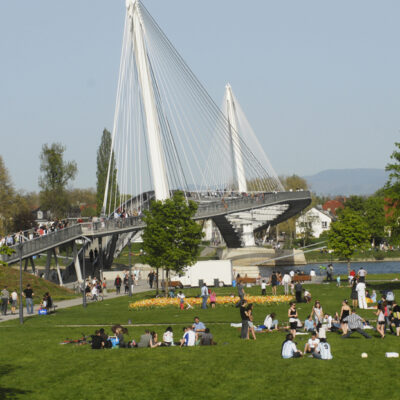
<point x="130" y="280"/>
<point x="84" y="276"/>
<point x="21" y="306"/>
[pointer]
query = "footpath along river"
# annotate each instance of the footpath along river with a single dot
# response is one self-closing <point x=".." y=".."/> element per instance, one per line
<point x="379" y="267"/>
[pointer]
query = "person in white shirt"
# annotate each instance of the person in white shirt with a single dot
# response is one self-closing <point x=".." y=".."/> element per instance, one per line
<point x="168" y="337"/>
<point x="362" y="274"/>
<point x="189" y="337"/>
<point x="312" y="343"/>
<point x="14" y="301"/>
<point x="263" y="288"/>
<point x="362" y="301"/>
<point x="286" y="280"/>
<point x="270" y="322"/>
<point x="289" y="349"/>
<point x="323" y="351"/>
<point x="94" y="292"/>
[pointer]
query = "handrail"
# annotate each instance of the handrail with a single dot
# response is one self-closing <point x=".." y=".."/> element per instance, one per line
<point x="109" y="226"/>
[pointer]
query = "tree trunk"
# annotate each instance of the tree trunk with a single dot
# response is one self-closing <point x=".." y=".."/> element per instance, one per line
<point x="156" y="281"/>
<point x="348" y="267"/>
<point x="166" y="283"/>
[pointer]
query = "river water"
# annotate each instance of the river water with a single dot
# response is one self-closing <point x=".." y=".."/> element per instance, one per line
<point x="381" y="267"/>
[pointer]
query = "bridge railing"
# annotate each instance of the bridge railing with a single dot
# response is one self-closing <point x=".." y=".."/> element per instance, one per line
<point x="44" y="242"/>
<point x="109" y="225"/>
<point x="227" y="205"/>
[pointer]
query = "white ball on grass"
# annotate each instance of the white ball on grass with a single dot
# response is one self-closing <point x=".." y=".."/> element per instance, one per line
<point x="364" y="355"/>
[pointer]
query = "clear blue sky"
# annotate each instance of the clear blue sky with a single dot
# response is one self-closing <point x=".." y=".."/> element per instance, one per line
<point x="319" y="80"/>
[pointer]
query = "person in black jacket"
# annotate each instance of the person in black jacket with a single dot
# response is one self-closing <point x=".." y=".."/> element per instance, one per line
<point x="117" y="284"/>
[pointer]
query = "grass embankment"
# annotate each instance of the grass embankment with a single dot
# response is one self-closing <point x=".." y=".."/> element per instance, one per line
<point x="10" y="277"/>
<point x="318" y="256"/>
<point x="36" y="366"/>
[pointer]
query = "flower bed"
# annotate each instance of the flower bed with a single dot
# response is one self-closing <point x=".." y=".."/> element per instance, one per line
<point x="167" y="301"/>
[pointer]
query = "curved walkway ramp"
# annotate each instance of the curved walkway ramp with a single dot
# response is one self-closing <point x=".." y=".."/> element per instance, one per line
<point x="295" y="201"/>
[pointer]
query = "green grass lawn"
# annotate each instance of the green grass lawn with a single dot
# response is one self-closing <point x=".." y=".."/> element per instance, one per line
<point x="34" y="365"/>
<point x="10" y="276"/>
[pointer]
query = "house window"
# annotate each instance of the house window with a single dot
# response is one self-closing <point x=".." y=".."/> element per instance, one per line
<point x="324" y="225"/>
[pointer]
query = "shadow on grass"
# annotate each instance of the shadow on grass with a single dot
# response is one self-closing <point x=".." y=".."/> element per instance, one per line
<point x="383" y="286"/>
<point x="7" y="392"/>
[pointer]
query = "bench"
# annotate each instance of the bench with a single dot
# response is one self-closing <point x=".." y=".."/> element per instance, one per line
<point x="301" y="278"/>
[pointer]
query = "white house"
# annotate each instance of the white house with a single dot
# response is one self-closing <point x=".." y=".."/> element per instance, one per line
<point x="318" y="221"/>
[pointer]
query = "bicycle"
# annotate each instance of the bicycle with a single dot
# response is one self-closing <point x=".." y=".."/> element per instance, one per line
<point x="99" y="297"/>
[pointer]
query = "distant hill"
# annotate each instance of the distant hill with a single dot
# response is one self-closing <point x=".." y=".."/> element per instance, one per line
<point x="362" y="181"/>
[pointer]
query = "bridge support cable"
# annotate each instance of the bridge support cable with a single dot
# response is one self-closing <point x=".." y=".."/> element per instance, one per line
<point x="168" y="133"/>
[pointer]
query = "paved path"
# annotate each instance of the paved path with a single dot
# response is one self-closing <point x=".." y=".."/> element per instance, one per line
<point x="141" y="287"/>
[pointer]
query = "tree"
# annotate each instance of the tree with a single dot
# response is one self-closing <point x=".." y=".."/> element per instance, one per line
<point x="347" y="234"/>
<point x="56" y="175"/>
<point x="374" y="214"/>
<point x="103" y="161"/>
<point x="392" y="194"/>
<point x="23" y="217"/>
<point x="171" y="237"/>
<point x="6" y="199"/>
<point x="7" y="251"/>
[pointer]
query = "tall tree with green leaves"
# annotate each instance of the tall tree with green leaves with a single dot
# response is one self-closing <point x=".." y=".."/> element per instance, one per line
<point x="392" y="195"/>
<point x="347" y="234"/>
<point x="103" y="161"/>
<point x="171" y="238"/>
<point x="6" y="199"/>
<point x="56" y="174"/>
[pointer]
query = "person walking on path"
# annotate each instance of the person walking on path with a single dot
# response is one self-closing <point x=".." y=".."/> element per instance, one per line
<point x="28" y="294"/>
<point x="117" y="284"/>
<point x="150" y="277"/>
<point x="14" y="301"/>
<point x="355" y="323"/>
<point x="204" y="296"/>
<point x="5" y="295"/>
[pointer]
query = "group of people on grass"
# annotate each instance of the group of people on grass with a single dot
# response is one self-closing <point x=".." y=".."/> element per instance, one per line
<point x="196" y="334"/>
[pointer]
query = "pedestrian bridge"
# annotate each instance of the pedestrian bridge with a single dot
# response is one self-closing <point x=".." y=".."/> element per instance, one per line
<point x="212" y="209"/>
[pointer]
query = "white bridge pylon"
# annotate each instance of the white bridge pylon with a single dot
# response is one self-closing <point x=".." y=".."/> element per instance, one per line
<point x="239" y="127"/>
<point x="168" y="134"/>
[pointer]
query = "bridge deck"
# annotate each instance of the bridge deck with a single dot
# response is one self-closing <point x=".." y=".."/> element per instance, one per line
<point x="207" y="209"/>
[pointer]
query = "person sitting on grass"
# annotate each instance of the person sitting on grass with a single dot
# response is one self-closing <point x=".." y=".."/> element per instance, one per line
<point x="119" y="332"/>
<point x="145" y="339"/>
<point x="198" y="327"/>
<point x="309" y="324"/>
<point x="189" y="337"/>
<point x="270" y="323"/>
<point x="312" y="343"/>
<point x="168" y="337"/>
<point x="307" y="296"/>
<point x="323" y="350"/>
<point x="289" y="349"/>
<point x="154" y="340"/>
<point x="207" y="339"/>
